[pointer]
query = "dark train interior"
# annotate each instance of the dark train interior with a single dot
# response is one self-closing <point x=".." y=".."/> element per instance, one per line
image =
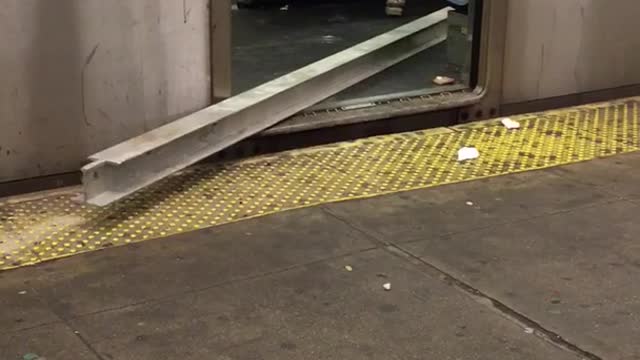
<point x="272" y="38"/>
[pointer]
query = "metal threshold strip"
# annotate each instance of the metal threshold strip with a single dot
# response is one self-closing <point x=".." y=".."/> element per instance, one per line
<point x="136" y="163"/>
<point x="377" y="108"/>
<point x="346" y="104"/>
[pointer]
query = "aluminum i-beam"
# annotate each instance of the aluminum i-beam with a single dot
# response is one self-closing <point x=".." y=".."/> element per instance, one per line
<point x="131" y="165"/>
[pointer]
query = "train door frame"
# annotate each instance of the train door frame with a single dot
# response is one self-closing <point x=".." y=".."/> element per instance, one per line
<point x="489" y="31"/>
<point x="220" y="49"/>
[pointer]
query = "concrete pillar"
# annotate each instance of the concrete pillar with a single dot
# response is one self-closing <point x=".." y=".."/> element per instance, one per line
<point x="81" y="75"/>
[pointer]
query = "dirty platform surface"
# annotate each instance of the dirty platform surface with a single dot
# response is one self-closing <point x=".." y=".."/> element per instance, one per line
<point x="535" y="265"/>
<point x="46" y="227"/>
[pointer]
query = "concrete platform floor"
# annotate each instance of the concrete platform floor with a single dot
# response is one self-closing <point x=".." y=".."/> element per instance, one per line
<point x="537" y="265"/>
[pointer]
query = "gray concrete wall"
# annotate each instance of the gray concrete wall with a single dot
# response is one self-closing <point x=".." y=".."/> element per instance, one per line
<point x="560" y="47"/>
<point x="80" y="75"/>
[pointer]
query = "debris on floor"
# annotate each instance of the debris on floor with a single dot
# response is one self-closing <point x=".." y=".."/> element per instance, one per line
<point x="469" y="203"/>
<point x="330" y="39"/>
<point x="387" y="286"/>
<point x="348" y="268"/>
<point x="32" y="356"/>
<point x="78" y="198"/>
<point x="284" y="8"/>
<point x="395" y="7"/>
<point x="23" y="292"/>
<point x="528" y="330"/>
<point x="393" y="11"/>
<point x="468" y="153"/>
<point x="443" y="80"/>
<point x="510" y="123"/>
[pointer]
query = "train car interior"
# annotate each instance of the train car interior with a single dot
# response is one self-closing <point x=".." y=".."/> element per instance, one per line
<point x="273" y="38"/>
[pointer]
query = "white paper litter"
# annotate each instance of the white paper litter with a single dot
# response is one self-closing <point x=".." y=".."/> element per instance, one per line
<point x="387" y="286"/>
<point x="348" y="268"/>
<point x="468" y="153"/>
<point x="393" y="11"/>
<point x="78" y="198"/>
<point x="510" y="123"/>
<point x="469" y="203"/>
<point x="528" y="330"/>
<point x="443" y="80"/>
<point x="284" y="8"/>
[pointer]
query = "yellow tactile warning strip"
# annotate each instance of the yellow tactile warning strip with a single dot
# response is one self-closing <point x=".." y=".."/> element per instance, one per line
<point x="209" y="195"/>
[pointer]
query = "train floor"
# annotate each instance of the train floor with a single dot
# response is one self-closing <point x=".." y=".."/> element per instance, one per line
<point x="539" y="263"/>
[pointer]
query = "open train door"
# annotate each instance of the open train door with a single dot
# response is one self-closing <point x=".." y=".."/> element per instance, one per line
<point x="136" y="163"/>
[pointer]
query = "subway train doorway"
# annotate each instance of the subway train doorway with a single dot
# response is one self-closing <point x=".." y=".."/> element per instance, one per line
<point x="274" y="37"/>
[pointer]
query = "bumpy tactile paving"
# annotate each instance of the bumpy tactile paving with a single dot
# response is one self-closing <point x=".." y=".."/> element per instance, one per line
<point x="210" y="195"/>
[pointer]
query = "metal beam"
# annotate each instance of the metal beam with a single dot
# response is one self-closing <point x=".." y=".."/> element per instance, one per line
<point x="129" y="166"/>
